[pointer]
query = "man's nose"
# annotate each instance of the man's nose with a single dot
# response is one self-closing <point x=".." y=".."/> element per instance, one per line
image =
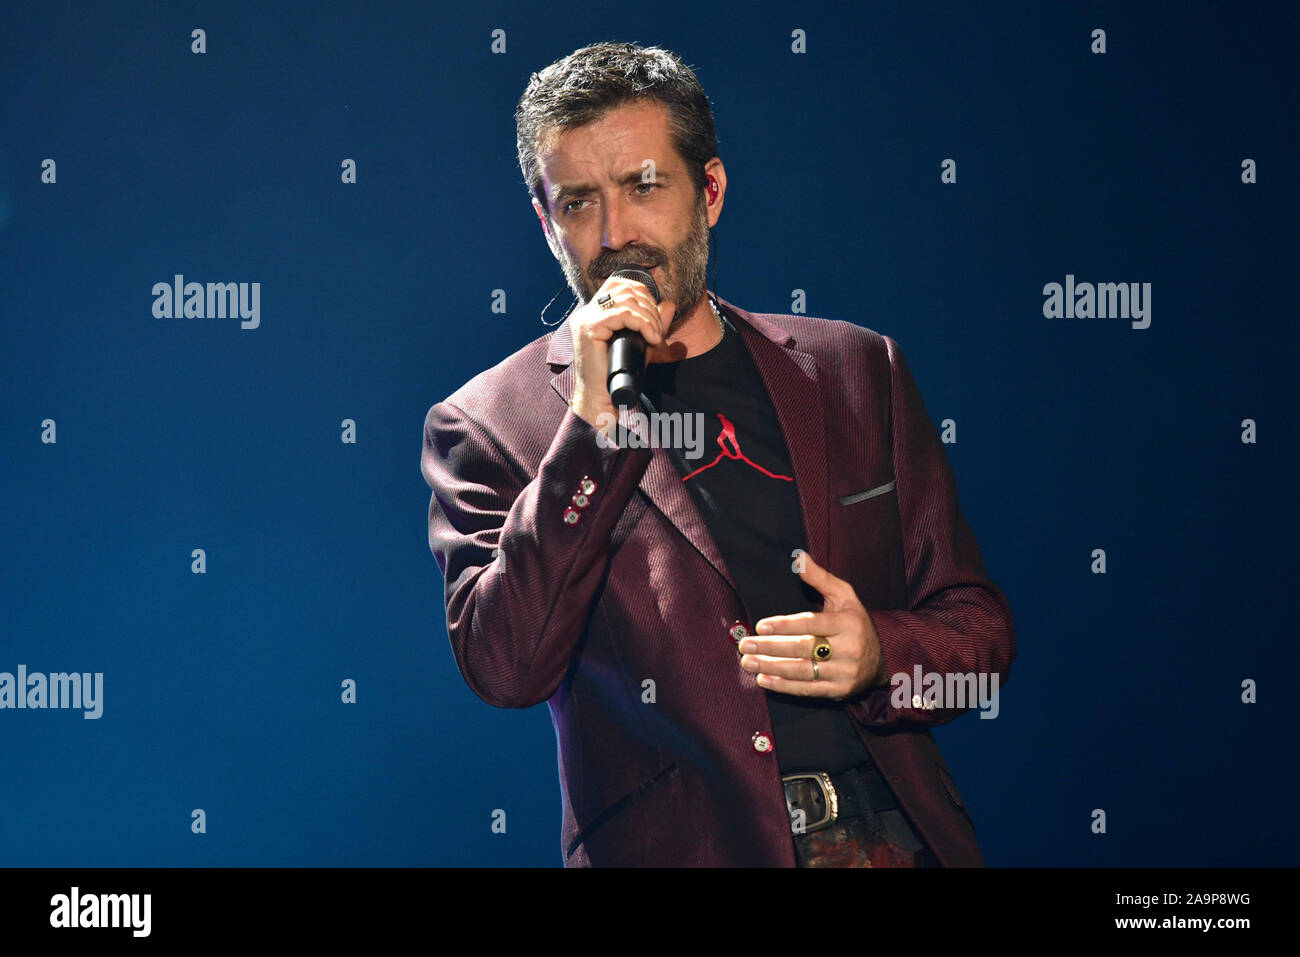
<point x="618" y="224"/>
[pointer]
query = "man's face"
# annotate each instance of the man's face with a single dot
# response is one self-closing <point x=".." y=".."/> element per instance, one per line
<point x="607" y="212"/>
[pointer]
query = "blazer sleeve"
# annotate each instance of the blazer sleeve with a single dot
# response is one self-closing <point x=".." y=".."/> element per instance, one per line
<point x="957" y="621"/>
<point x="521" y="581"/>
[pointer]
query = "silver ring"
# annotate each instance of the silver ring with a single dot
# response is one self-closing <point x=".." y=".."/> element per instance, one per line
<point x="817" y="671"/>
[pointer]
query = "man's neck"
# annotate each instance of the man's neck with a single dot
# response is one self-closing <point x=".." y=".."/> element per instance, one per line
<point x="697" y="335"/>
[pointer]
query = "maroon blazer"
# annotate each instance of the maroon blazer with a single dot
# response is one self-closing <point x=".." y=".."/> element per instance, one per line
<point x="581" y="612"/>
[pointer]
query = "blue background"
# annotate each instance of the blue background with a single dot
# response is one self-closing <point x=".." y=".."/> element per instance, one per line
<point x="221" y="691"/>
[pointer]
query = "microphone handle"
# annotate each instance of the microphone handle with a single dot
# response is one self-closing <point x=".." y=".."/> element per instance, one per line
<point x="627" y="350"/>
<point x="626" y="363"/>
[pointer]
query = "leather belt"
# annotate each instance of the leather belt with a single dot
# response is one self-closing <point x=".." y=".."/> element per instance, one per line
<point x="816" y="800"/>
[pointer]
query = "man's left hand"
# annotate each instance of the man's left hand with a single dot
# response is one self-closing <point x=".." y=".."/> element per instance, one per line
<point x="782" y="654"/>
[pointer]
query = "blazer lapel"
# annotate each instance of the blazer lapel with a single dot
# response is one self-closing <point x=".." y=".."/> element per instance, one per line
<point x="791" y="380"/>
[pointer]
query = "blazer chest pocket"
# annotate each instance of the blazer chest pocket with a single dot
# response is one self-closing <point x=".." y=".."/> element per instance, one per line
<point x="867" y="527"/>
<point x="854" y="497"/>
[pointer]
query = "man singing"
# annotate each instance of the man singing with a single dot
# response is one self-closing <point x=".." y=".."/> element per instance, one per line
<point x="721" y="638"/>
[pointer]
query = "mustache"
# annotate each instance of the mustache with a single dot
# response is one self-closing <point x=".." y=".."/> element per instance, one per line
<point x="608" y="269"/>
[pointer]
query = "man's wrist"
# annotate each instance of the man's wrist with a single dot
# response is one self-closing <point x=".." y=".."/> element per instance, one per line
<point x="602" y="416"/>
<point x="881" y="678"/>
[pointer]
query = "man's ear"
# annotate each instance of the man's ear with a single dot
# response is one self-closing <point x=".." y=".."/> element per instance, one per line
<point x="713" y="168"/>
<point x="546" y="228"/>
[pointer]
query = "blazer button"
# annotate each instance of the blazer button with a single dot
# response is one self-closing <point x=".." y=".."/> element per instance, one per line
<point x="738" y="631"/>
<point x="586" y="486"/>
<point x="762" y="743"/>
<point x="581" y="500"/>
<point x="571" y="516"/>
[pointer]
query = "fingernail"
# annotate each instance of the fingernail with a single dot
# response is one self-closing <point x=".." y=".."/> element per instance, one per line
<point x="748" y="647"/>
<point x="764" y="628"/>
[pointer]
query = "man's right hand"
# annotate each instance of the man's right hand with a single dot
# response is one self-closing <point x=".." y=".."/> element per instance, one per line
<point x="592" y="326"/>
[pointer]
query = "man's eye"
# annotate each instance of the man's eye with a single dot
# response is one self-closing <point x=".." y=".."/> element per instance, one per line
<point x="570" y="203"/>
<point x="651" y="185"/>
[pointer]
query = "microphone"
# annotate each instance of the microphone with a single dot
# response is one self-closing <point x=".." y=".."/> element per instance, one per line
<point x="627" y="350"/>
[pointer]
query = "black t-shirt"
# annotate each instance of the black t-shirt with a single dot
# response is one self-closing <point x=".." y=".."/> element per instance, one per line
<point x="745" y="490"/>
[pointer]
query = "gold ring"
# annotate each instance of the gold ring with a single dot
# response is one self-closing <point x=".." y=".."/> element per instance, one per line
<point x="606" y="301"/>
<point x="822" y="651"/>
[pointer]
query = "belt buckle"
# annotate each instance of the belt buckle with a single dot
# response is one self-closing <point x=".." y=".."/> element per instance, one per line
<point x="830" y="801"/>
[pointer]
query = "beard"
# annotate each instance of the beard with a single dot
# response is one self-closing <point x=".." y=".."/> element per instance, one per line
<point x="686" y="268"/>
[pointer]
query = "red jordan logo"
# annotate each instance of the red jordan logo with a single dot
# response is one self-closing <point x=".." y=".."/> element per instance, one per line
<point x="731" y="450"/>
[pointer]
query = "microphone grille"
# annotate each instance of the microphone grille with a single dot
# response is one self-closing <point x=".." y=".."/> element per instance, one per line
<point x="641" y="276"/>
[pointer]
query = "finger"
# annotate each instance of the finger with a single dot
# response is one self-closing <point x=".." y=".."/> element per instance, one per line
<point x="803" y="689"/>
<point x="666" y="312"/>
<point x="798" y="668"/>
<point x="650" y="308"/>
<point x="837" y="675"/>
<point x="639" y="289"/>
<point x="822" y="580"/>
<point x="645" y="297"/>
<point x="817" y="623"/>
<point x="628" y="312"/>
<point x="800" y="646"/>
